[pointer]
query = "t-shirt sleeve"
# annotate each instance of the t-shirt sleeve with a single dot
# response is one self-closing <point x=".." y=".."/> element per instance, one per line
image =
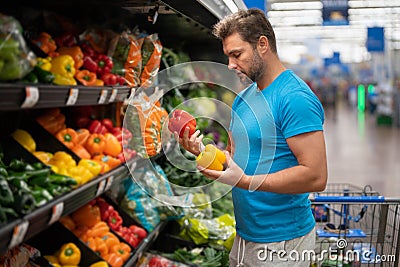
<point x="301" y="112"/>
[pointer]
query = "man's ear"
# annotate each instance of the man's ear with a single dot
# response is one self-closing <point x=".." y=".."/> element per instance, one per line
<point x="263" y="44"/>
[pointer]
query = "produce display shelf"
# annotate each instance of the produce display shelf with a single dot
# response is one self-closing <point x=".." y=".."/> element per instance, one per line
<point x="17" y="231"/>
<point x="146" y="243"/>
<point x="23" y="96"/>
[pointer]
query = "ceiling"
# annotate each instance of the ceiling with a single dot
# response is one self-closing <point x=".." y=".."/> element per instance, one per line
<point x="299" y="31"/>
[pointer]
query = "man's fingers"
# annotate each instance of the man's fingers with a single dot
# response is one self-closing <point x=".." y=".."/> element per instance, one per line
<point x="194" y="136"/>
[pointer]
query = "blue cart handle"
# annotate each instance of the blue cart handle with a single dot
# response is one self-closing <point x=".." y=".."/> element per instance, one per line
<point x="356" y="199"/>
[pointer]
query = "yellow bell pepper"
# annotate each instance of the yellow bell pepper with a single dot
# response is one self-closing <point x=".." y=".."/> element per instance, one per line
<point x="62" y="159"/>
<point x="25" y="139"/>
<point x="211" y="158"/>
<point x="44" y="63"/>
<point x="43" y="156"/>
<point x="52" y="259"/>
<point x="69" y="254"/>
<point x="99" y="264"/>
<point x="63" y="69"/>
<point x="93" y="166"/>
<point x="81" y="174"/>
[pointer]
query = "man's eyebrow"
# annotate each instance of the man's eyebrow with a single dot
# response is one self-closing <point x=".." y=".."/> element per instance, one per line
<point x="230" y="52"/>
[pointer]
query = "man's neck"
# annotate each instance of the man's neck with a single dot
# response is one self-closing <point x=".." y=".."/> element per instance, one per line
<point x="273" y="69"/>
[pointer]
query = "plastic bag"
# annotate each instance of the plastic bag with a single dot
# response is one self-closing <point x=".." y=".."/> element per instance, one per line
<point x="16" y="59"/>
<point x="151" y="59"/>
<point x="151" y="117"/>
<point x="218" y="232"/>
<point x="127" y="58"/>
<point x="152" y="260"/>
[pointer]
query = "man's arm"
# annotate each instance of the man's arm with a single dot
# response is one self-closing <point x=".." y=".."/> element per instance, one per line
<point x="309" y="176"/>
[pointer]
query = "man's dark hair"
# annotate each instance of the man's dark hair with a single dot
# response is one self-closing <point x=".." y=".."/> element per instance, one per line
<point x="250" y="24"/>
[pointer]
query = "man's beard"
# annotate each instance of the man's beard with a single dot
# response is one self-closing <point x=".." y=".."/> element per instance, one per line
<point x="257" y="67"/>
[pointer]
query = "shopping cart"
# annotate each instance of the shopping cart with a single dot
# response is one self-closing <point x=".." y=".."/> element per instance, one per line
<point x="355" y="227"/>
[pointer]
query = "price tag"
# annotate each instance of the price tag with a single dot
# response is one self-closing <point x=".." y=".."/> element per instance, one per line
<point x="101" y="187"/>
<point x="72" y="96"/>
<point x="19" y="234"/>
<point x="56" y="212"/>
<point x="110" y="181"/>
<point x="114" y="93"/>
<point x="103" y="96"/>
<point x="31" y="98"/>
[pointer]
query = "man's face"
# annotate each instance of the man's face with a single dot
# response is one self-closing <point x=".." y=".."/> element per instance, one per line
<point x="243" y="57"/>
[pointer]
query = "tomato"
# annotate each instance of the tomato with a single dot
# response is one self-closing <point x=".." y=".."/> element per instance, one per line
<point x="139" y="231"/>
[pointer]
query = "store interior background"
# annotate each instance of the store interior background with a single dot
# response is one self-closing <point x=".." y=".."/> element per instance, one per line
<point x="348" y="51"/>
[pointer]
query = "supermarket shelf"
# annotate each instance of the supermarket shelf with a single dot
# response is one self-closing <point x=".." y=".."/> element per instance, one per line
<point x="33" y="223"/>
<point x="146" y="243"/>
<point x="22" y="96"/>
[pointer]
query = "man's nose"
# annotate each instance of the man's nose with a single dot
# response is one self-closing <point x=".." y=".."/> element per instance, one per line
<point x="232" y="65"/>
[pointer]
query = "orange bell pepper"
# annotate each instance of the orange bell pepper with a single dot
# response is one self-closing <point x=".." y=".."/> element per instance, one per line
<point x="113" y="146"/>
<point x="88" y="215"/>
<point x="83" y="135"/>
<point x="86" y="77"/>
<point x="114" y="260"/>
<point x="52" y="120"/>
<point x="68" y="223"/>
<point x="110" y="239"/>
<point x="75" y="52"/>
<point x="101" y="247"/>
<point x="95" y="144"/>
<point x="80" y="151"/>
<point x="110" y="161"/>
<point x="67" y="137"/>
<point x="98" y="230"/>
<point x="99" y="82"/>
<point x="46" y="43"/>
<point x="122" y="249"/>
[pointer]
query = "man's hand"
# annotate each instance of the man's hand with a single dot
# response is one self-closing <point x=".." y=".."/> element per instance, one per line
<point x="231" y="176"/>
<point x="193" y="144"/>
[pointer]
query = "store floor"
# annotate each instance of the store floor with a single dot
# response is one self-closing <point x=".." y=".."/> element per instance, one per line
<point x="360" y="152"/>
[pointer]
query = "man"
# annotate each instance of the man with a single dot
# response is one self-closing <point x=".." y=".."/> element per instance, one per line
<point x="277" y="151"/>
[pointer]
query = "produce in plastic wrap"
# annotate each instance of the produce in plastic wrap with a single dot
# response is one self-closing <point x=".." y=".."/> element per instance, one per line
<point x="218" y="232"/>
<point x="127" y="58"/>
<point x="150" y="116"/>
<point x="19" y="256"/>
<point x="151" y="59"/>
<point x="16" y="60"/>
<point x="152" y="260"/>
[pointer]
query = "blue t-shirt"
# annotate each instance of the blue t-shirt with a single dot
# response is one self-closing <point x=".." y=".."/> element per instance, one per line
<point x="260" y="124"/>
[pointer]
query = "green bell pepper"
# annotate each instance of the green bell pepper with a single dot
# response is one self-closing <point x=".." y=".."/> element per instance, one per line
<point x="6" y="195"/>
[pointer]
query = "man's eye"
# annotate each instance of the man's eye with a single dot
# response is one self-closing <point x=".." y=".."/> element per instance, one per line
<point x="236" y="55"/>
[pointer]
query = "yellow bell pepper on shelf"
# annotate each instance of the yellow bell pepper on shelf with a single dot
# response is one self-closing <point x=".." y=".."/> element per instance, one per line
<point x="69" y="254"/>
<point x="93" y="166"/>
<point x="43" y="156"/>
<point x="62" y="159"/>
<point x="80" y="174"/>
<point x="63" y="69"/>
<point x="99" y="264"/>
<point x="44" y="63"/>
<point x="25" y="139"/>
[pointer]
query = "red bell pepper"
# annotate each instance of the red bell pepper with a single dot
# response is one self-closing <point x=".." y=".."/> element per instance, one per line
<point x="123" y="135"/>
<point x="109" y="79"/>
<point x="114" y="220"/>
<point x="104" y="64"/>
<point x="89" y="64"/>
<point x="138" y="231"/>
<point x="108" y="124"/>
<point x="65" y="40"/>
<point x="89" y="51"/>
<point x="96" y="126"/>
<point x="180" y="120"/>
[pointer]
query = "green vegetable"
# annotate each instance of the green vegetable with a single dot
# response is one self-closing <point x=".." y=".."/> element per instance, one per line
<point x="30" y="78"/>
<point x="17" y="165"/>
<point x="6" y="195"/>
<point x="43" y="76"/>
<point x="3" y="171"/>
<point x="6" y="214"/>
<point x="62" y="180"/>
<point x="24" y="202"/>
